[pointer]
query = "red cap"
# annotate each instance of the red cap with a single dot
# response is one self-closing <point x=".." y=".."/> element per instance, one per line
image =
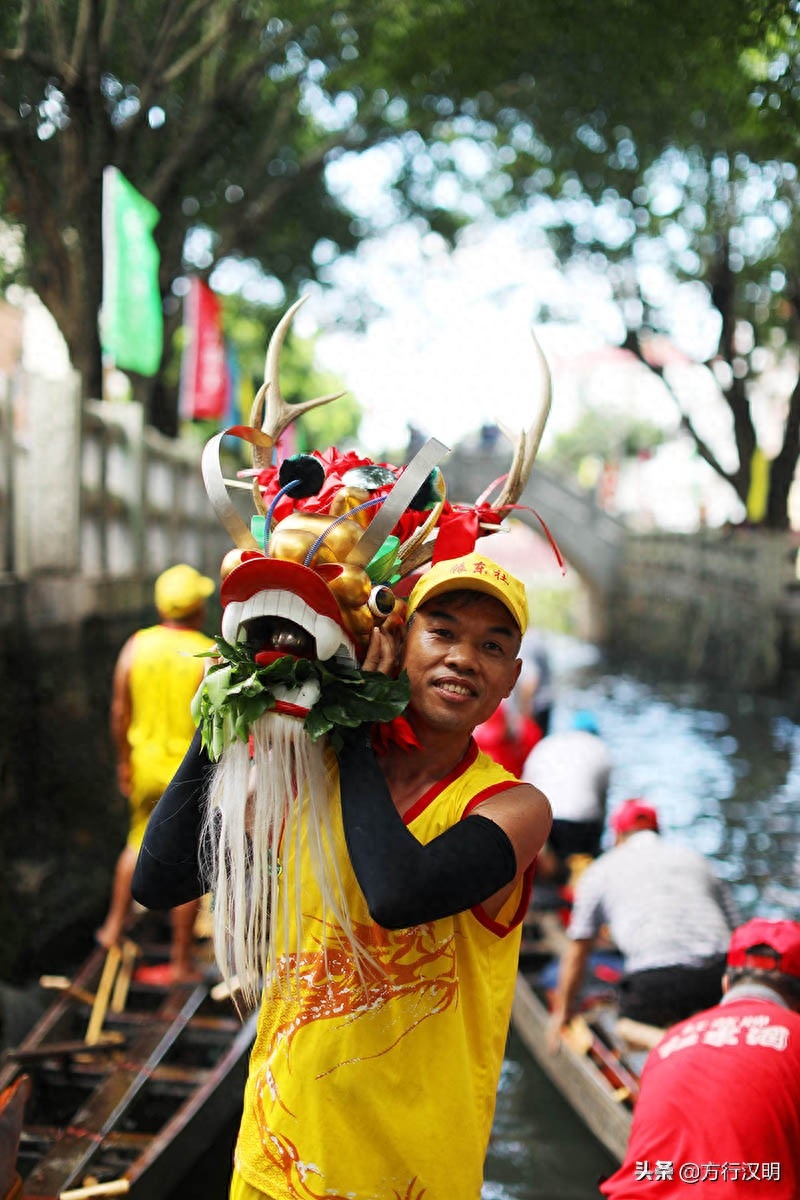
<point x="782" y="937"/>
<point x="634" y="814"/>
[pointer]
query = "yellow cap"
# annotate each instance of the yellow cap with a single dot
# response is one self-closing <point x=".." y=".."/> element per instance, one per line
<point x="475" y="572"/>
<point x="180" y="590"/>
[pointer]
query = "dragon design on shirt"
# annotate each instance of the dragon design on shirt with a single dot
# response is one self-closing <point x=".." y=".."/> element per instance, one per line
<point x="410" y="963"/>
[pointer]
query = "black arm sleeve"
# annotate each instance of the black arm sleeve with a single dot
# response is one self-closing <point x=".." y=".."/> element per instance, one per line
<point x="404" y="882"/>
<point x="168" y="871"/>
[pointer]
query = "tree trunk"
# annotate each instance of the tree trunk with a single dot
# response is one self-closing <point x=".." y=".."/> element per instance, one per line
<point x="784" y="466"/>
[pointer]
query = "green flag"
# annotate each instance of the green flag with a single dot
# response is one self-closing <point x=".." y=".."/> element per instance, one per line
<point x="131" y="318"/>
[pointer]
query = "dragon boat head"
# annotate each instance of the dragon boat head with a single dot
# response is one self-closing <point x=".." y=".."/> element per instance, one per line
<point x="332" y="536"/>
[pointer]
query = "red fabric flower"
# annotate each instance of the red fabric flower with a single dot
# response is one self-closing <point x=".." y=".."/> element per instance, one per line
<point x="396" y="732"/>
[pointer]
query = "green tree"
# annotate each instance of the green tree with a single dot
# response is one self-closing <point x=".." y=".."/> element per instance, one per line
<point x="223" y="113"/>
<point x="589" y="113"/>
<point x="656" y="142"/>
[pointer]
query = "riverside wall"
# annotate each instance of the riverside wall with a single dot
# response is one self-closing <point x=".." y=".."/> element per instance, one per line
<point x="721" y="605"/>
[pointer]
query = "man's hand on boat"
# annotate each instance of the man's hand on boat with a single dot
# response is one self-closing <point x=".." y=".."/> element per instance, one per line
<point x="571" y="971"/>
<point x="558" y="1021"/>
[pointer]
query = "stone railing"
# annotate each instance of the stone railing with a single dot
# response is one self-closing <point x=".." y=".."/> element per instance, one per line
<point x="93" y="504"/>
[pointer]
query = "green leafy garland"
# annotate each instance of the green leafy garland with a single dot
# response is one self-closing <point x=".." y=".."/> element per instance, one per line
<point x="237" y="691"/>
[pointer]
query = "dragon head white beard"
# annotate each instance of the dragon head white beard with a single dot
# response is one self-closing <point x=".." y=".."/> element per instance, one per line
<point x="256" y="814"/>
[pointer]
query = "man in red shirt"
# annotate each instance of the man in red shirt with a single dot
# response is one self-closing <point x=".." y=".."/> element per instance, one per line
<point x="719" y="1108"/>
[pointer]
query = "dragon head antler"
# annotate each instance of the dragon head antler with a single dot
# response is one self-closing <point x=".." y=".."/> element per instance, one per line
<point x="270" y="411"/>
<point x="526" y="442"/>
<point x="340" y="522"/>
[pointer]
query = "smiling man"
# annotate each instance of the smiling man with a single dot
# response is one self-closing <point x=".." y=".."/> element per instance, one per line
<point x="465" y="619"/>
<point x="376" y="1063"/>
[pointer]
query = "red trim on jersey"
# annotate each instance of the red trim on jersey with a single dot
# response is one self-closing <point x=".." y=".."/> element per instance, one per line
<point x="479" y="911"/>
<point x="503" y="930"/>
<point x="428" y="797"/>
<point x="504" y="785"/>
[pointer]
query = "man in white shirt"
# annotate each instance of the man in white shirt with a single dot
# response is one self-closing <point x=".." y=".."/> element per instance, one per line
<point x="573" y="768"/>
<point x="669" y="915"/>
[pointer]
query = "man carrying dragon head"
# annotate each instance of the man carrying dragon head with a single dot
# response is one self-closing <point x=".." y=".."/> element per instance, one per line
<point x="370" y="867"/>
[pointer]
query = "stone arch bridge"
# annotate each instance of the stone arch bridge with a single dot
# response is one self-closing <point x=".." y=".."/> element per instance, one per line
<point x="589" y="539"/>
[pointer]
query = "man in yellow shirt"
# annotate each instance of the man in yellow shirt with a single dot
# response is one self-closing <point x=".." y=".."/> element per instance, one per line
<point x="155" y="678"/>
<point x="379" y="1045"/>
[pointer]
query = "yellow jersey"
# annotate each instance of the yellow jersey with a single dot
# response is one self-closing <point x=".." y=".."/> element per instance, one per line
<point x="164" y="676"/>
<point x="382" y="1086"/>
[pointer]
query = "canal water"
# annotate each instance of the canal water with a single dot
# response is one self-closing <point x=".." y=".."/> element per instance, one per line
<point x="723" y="769"/>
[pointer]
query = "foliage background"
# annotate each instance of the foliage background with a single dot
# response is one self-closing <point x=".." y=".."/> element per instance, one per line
<point x="655" y="143"/>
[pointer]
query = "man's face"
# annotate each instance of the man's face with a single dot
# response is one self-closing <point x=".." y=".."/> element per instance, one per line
<point x="461" y="658"/>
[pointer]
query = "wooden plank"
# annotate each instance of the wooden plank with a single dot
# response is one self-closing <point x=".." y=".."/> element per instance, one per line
<point x="116" y="1140"/>
<point x="94" y="1191"/>
<point x="583" y="1086"/>
<point x="220" y="1098"/>
<point x="89" y="1072"/>
<point x="55" y="1017"/>
<point x="107" y="1041"/>
<point x="103" y="996"/>
<point x="88" y="1151"/>
<point x="60" y="983"/>
<point x="608" y="1057"/>
<point x="123" y="981"/>
<point x="69" y="1157"/>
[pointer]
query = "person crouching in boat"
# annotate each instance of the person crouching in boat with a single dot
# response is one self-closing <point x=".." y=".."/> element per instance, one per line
<point x="718" y="1111"/>
<point x="668" y="914"/>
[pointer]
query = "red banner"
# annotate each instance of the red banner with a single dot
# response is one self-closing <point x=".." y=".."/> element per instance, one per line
<point x="204" y="370"/>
